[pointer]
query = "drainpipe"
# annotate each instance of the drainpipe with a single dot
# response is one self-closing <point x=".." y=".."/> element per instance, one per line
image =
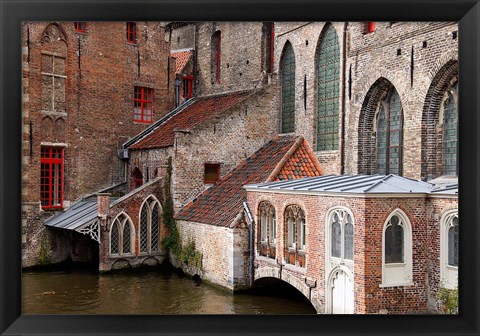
<point x="251" y="242"/>
<point x="344" y="64"/>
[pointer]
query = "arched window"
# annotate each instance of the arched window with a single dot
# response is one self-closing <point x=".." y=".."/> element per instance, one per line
<point x="449" y="249"/>
<point x="295" y="235"/>
<point x="328" y="89"/>
<point x="287" y="79"/>
<point x="149" y="226"/>
<point x="216" y="56"/>
<point x="450" y="138"/>
<point x="390" y="135"/>
<point x="268" y="230"/>
<point x="121" y="236"/>
<point x="137" y="178"/>
<point x="397" y="251"/>
<point x="341" y="234"/>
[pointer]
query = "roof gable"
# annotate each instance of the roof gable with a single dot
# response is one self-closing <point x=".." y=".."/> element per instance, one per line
<point x="181" y="59"/>
<point x="277" y="159"/>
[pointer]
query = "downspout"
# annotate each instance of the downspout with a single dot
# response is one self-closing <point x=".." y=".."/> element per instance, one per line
<point x="344" y="64"/>
<point x="251" y="242"/>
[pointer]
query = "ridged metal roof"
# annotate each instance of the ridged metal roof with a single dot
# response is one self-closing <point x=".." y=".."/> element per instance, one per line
<point x="355" y="184"/>
<point x="451" y="189"/>
<point x="76" y="217"/>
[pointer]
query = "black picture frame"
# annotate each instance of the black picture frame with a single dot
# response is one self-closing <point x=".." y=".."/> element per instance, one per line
<point x="12" y="12"/>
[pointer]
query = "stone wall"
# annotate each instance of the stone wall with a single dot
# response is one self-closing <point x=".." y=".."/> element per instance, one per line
<point x="225" y="252"/>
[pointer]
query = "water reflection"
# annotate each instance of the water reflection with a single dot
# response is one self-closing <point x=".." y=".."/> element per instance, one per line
<point x="145" y="292"/>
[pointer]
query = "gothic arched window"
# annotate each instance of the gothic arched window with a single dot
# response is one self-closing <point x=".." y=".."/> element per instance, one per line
<point x="287" y="79"/>
<point x="328" y="89"/>
<point x="149" y="226"/>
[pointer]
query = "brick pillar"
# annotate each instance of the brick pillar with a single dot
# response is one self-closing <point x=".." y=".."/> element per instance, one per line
<point x="103" y="207"/>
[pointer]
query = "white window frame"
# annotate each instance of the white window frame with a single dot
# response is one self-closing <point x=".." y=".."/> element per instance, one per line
<point x="342" y="212"/>
<point x="448" y="273"/>
<point x="390" y="272"/>
<point x="149" y="202"/>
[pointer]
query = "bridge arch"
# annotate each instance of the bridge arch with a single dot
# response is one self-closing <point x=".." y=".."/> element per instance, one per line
<point x="265" y="273"/>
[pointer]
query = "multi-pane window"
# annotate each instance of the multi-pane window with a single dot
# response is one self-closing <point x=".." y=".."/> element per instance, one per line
<point x="450" y="139"/>
<point x="267" y="223"/>
<point x="149" y="228"/>
<point x="80" y="27"/>
<point x="390" y="135"/>
<point x="287" y="78"/>
<point x="453" y="241"/>
<point x="341" y="228"/>
<point x="216" y="56"/>
<point x="328" y="90"/>
<point x="296" y="230"/>
<point x="53" y="83"/>
<point x="121" y="236"/>
<point x="51" y="177"/>
<point x="131" y="32"/>
<point x="394" y="241"/>
<point x="143" y="105"/>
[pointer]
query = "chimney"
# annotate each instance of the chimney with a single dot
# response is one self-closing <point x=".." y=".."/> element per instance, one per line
<point x="103" y="205"/>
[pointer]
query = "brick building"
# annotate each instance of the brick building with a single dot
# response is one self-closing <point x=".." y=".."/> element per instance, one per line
<point x="370" y="97"/>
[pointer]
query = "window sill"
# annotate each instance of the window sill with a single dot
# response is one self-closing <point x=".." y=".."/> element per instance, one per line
<point x="295" y="268"/>
<point x="404" y="284"/>
<point x="118" y="256"/>
<point x="137" y="122"/>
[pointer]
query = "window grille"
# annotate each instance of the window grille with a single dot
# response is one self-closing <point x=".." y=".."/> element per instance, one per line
<point x="328" y="90"/>
<point x="389" y="137"/>
<point x="143" y="105"/>
<point x="155" y="224"/>
<point x="115" y="239"/>
<point x="144" y="228"/>
<point x="51" y="177"/>
<point x="287" y="76"/>
<point x="126" y="237"/>
<point x="450" y="139"/>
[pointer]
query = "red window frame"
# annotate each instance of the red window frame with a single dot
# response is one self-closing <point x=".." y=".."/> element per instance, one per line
<point x="215" y="166"/>
<point x="51" y="177"/>
<point x="369" y="27"/>
<point x="131" y="32"/>
<point x="143" y="105"/>
<point x="80" y="27"/>
<point x="188" y="86"/>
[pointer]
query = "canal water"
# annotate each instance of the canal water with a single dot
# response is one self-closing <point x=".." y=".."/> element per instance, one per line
<point x="154" y="291"/>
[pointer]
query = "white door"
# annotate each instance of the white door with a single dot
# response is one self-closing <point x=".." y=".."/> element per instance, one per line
<point x="342" y="293"/>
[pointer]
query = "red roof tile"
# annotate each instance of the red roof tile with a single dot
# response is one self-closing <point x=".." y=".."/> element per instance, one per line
<point x="220" y="204"/>
<point x="182" y="58"/>
<point x="200" y="110"/>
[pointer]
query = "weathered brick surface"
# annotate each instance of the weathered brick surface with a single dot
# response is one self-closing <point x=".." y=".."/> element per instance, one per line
<point x="96" y="113"/>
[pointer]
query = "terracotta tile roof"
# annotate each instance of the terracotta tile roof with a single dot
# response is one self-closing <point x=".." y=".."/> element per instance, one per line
<point x="200" y="110"/>
<point x="182" y="58"/>
<point x="220" y="204"/>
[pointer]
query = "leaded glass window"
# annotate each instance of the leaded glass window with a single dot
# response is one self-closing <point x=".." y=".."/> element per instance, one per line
<point x="114" y="239"/>
<point x="341" y="234"/>
<point x="389" y="137"/>
<point x="144" y="229"/>
<point x="287" y="78"/>
<point x="453" y="242"/>
<point x="394" y="241"/>
<point x="450" y="139"/>
<point x="328" y="90"/>
<point x="127" y="246"/>
<point x="150" y="216"/>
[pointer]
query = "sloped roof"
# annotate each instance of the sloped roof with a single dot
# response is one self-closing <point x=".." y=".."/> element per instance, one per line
<point x="450" y="189"/>
<point x="220" y="204"/>
<point x="356" y="184"/>
<point x="75" y="217"/>
<point x="182" y="58"/>
<point x="196" y="112"/>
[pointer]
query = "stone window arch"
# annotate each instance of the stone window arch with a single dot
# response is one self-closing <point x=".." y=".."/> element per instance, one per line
<point x="327" y="60"/>
<point x="295" y="235"/>
<point x="287" y="80"/>
<point x="449" y="247"/>
<point x="122" y="236"/>
<point x="267" y="230"/>
<point x="380" y="131"/>
<point x="149" y="226"/>
<point x="340" y="234"/>
<point x="439" y="152"/>
<point x="216" y="56"/>
<point x="397" y="250"/>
